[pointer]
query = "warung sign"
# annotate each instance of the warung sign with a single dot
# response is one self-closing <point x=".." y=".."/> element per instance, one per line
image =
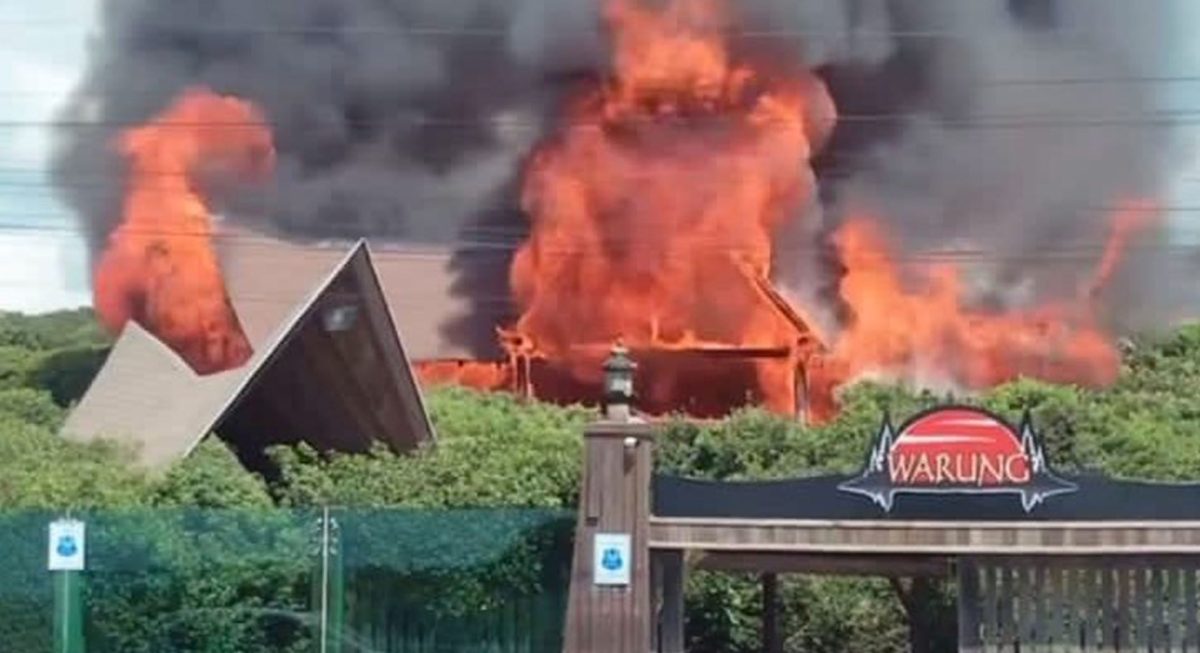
<point x="957" y="450"/>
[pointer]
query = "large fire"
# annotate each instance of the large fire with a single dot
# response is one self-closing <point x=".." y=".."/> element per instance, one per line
<point x="159" y="268"/>
<point x="654" y="210"/>
<point x="657" y="203"/>
<point x="923" y="330"/>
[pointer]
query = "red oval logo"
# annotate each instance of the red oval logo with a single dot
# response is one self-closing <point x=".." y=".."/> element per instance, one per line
<point x="958" y="447"/>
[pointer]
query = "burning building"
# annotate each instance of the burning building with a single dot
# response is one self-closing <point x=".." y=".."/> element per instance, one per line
<point x="761" y="216"/>
<point x="265" y="354"/>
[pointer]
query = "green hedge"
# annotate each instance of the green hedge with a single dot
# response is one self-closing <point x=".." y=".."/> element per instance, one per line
<point x="220" y="581"/>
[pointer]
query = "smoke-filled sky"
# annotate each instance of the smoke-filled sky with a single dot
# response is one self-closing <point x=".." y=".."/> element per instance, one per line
<point x="409" y="119"/>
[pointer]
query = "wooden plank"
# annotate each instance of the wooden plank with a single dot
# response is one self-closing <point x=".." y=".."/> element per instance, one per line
<point x="1027" y="614"/>
<point x="989" y="630"/>
<point x="1143" y="623"/>
<point x="1124" y="608"/>
<point x="1055" y="608"/>
<point x="826" y="564"/>
<point x="1108" y="610"/>
<point x="969" y="607"/>
<point x="673" y="612"/>
<point x="1041" y="617"/>
<point x="950" y="538"/>
<point x="1006" y="613"/>
<point x="1099" y="607"/>
<point x="1081" y="617"/>
<point x="1157" y="604"/>
<point x="772" y="642"/>
<point x="1191" y="639"/>
<point x="1036" y="611"/>
<point x="1175" y="608"/>
<point x="656" y="598"/>
<point x="1071" y="601"/>
<point x="1164" y="526"/>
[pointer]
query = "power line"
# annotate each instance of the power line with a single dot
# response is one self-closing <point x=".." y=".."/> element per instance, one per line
<point x="485" y="32"/>
<point x="1161" y="117"/>
<point x="718" y="246"/>
<point x="1184" y="78"/>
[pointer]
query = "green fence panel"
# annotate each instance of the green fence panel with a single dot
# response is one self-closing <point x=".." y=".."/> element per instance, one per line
<point x="26" y="590"/>
<point x="210" y="581"/>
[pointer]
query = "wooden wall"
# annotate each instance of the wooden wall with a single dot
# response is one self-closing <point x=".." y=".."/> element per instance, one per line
<point x="1126" y="603"/>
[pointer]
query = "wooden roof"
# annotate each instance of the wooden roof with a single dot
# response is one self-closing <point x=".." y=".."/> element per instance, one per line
<point x="341" y="388"/>
<point x="266" y="276"/>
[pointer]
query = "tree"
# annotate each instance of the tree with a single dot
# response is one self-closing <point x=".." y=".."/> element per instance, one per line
<point x="39" y="470"/>
<point x="29" y="406"/>
<point x="53" y="330"/>
<point x="491" y="450"/>
<point x="211" y="477"/>
<point x="66" y="373"/>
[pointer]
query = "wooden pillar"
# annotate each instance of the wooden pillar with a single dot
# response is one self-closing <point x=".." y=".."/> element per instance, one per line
<point x="671" y="618"/>
<point x="614" y="499"/>
<point x="771" y="642"/>
<point x="969" y="613"/>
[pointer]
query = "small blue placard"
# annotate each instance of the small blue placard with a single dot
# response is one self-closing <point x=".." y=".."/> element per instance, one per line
<point x="612" y="559"/>
<point x="66" y="546"/>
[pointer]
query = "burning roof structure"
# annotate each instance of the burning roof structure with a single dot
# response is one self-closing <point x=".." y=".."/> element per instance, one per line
<point x="759" y="220"/>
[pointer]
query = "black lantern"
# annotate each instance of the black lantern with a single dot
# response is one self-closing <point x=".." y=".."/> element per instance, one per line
<point x="618" y="380"/>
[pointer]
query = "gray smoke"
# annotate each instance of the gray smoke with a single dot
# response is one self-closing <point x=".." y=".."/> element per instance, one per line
<point x="391" y="118"/>
<point x="1009" y="127"/>
<point x="410" y="119"/>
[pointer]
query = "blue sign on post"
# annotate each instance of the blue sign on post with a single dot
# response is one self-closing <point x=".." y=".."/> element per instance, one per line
<point x="66" y="545"/>
<point x="612" y="559"/>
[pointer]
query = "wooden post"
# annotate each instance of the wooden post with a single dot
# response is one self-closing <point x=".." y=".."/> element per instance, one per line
<point x="969" y="600"/>
<point x="614" y="499"/>
<point x="673" y="580"/>
<point x="771" y="642"/>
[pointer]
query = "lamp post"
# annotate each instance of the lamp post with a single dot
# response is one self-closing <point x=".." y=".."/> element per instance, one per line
<point x="618" y="384"/>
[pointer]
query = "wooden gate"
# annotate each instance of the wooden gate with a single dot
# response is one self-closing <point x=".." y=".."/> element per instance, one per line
<point x="1050" y="603"/>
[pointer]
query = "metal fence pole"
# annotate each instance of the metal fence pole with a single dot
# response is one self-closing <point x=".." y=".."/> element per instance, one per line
<point x="68" y="612"/>
<point x="329" y="585"/>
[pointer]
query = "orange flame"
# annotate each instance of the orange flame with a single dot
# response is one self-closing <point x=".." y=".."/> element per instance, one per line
<point x="653" y="214"/>
<point x="159" y="268"/>
<point x="479" y="375"/>
<point x="923" y="331"/>
<point x="664" y="186"/>
<point x="1128" y="220"/>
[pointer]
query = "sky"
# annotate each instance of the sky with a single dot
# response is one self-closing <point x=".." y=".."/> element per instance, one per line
<point x="43" y="261"/>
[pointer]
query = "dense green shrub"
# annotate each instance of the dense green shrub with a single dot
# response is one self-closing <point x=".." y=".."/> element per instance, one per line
<point x="181" y="579"/>
<point x="491" y="450"/>
<point x="66" y="373"/>
<point x="31" y="407"/>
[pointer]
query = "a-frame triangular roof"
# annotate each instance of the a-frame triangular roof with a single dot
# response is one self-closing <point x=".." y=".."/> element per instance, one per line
<point x="333" y="374"/>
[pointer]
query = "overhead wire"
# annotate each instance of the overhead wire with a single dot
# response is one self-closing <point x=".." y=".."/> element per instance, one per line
<point x="1166" y="117"/>
<point x="467" y="246"/>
